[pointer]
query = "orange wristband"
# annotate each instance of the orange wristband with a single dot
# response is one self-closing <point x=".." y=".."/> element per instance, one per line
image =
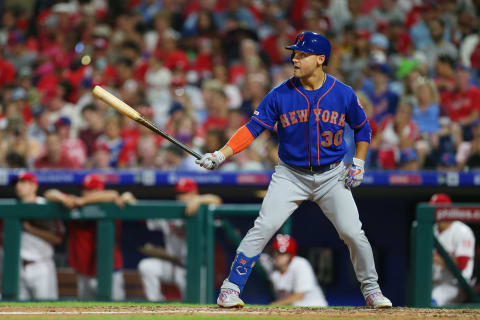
<point x="240" y="139"/>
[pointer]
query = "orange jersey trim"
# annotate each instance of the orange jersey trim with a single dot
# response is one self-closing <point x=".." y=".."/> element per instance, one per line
<point x="261" y="122"/>
<point x="361" y="124"/>
<point x="240" y="139"/>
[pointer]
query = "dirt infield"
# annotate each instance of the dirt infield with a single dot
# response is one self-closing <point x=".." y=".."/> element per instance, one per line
<point x="34" y="312"/>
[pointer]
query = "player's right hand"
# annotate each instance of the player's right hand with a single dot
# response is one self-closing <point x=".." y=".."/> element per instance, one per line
<point x="211" y="161"/>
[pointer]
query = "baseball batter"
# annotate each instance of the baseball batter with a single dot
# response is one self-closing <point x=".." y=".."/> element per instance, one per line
<point x="310" y="111"/>
<point x="459" y="241"/>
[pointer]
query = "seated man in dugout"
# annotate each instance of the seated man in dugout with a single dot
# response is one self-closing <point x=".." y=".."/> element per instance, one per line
<point x="458" y="240"/>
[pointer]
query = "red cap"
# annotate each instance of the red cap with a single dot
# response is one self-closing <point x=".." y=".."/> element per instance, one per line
<point x="28" y="176"/>
<point x="440" y="198"/>
<point x="283" y="243"/>
<point x="186" y="185"/>
<point x="93" y="182"/>
<point x="361" y="33"/>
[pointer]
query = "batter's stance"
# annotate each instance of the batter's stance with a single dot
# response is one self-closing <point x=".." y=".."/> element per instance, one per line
<point x="310" y="110"/>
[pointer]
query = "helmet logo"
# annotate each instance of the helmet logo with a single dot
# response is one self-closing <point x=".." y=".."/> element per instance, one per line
<point x="300" y="38"/>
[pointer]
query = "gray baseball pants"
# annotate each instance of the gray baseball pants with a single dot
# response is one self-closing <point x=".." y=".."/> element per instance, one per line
<point x="287" y="190"/>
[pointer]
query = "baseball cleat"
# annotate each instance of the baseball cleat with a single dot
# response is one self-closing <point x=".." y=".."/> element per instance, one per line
<point x="229" y="298"/>
<point x="377" y="300"/>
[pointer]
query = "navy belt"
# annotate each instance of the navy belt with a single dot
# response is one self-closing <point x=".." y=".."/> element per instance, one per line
<point x="317" y="169"/>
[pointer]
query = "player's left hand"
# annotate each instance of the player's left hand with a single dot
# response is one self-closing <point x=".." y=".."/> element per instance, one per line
<point x="353" y="175"/>
<point x="211" y="161"/>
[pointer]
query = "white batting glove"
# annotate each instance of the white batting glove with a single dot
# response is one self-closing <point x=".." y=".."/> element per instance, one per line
<point x="353" y="175"/>
<point x="211" y="161"/>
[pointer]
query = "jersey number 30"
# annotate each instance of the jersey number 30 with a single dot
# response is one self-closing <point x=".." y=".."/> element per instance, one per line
<point x="330" y="138"/>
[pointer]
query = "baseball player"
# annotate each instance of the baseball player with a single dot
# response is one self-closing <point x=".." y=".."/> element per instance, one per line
<point x="309" y="111"/>
<point x="292" y="277"/>
<point x="38" y="275"/>
<point x="459" y="241"/>
<point x="82" y="236"/>
<point x="168" y="264"/>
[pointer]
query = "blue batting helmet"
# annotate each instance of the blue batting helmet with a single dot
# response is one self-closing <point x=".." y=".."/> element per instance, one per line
<point x="311" y="42"/>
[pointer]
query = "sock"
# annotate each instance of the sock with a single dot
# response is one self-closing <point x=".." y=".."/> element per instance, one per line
<point x="241" y="269"/>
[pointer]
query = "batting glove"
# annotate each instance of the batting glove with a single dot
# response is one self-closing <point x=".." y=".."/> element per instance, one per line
<point x="354" y="173"/>
<point x="211" y="161"/>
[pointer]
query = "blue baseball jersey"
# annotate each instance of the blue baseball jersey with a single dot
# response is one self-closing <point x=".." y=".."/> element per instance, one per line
<point x="311" y="123"/>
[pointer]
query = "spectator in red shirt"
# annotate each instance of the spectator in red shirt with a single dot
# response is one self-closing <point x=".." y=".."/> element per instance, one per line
<point x="72" y="148"/>
<point x="93" y="118"/>
<point x="445" y="75"/>
<point x="217" y="110"/>
<point x="396" y="139"/>
<point x="7" y="71"/>
<point x="399" y="39"/>
<point x="100" y="157"/>
<point x="463" y="104"/>
<point x="168" y="51"/>
<point x="53" y="157"/>
<point x="275" y="43"/>
<point x="132" y="51"/>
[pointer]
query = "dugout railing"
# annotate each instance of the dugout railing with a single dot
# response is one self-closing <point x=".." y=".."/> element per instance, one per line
<point x="13" y="212"/>
<point x="200" y="238"/>
<point x="423" y="242"/>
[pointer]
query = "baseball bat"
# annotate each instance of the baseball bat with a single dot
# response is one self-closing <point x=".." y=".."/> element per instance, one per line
<point x="133" y="114"/>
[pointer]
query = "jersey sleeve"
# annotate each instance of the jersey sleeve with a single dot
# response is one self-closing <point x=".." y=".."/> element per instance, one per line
<point x="355" y="116"/>
<point x="465" y="243"/>
<point x="357" y="119"/>
<point x="266" y="113"/>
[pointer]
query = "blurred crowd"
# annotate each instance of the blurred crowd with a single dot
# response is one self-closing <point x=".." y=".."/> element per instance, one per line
<point x="199" y="68"/>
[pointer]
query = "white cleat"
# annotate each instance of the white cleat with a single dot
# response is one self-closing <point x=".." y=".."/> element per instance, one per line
<point x="377" y="300"/>
<point x="229" y="298"/>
